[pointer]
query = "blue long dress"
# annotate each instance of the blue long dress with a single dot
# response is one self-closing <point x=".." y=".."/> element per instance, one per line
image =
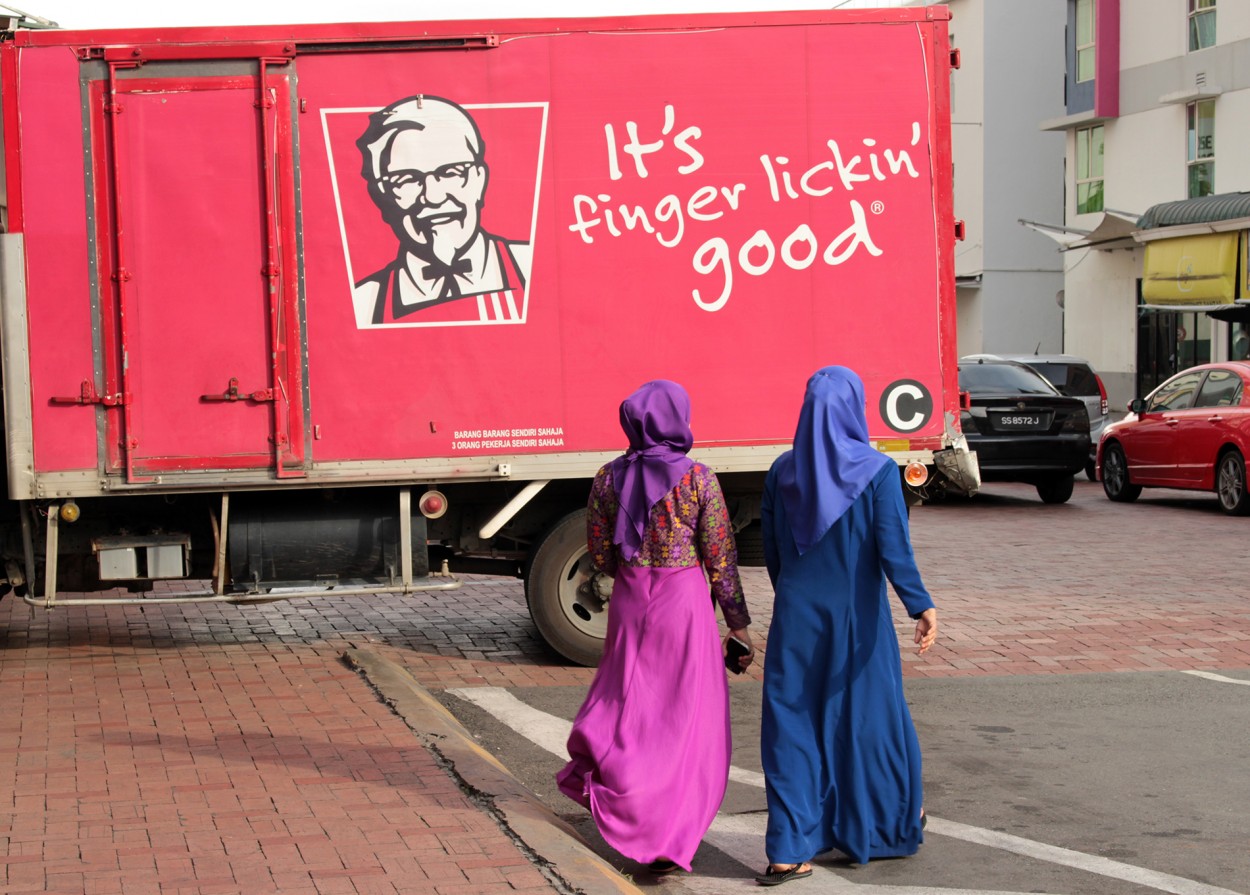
<point x="840" y="754"/>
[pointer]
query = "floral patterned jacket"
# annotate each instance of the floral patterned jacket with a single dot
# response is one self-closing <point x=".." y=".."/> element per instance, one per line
<point x="689" y="527"/>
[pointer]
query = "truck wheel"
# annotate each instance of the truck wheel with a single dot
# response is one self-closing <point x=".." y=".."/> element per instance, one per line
<point x="1115" y="483"/>
<point x="1230" y="484"/>
<point x="750" y="544"/>
<point x="568" y="599"/>
<point x="1056" y="489"/>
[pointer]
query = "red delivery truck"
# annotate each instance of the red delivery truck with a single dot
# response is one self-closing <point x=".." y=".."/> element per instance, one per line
<point x="328" y="309"/>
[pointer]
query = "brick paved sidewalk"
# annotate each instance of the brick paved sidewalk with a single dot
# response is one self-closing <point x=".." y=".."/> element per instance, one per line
<point x="215" y="768"/>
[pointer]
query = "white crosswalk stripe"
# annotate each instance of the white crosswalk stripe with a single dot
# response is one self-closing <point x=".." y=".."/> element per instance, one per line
<point x="1219" y="678"/>
<point x="742" y="835"/>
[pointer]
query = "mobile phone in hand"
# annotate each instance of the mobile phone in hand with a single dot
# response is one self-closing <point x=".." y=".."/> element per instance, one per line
<point x="736" y="649"/>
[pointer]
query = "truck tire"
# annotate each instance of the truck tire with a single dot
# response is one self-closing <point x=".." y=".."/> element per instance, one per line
<point x="568" y="599"/>
<point x="750" y="545"/>
<point x="1056" y="489"/>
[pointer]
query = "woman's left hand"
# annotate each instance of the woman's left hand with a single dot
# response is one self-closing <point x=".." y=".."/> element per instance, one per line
<point x="745" y="636"/>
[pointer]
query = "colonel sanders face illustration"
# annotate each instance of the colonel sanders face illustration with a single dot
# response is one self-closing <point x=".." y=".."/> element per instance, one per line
<point x="423" y="160"/>
<point x="424" y="166"/>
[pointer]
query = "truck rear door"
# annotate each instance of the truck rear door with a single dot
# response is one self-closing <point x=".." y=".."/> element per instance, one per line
<point x="197" y="255"/>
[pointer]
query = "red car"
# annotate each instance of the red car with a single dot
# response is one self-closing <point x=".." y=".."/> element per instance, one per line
<point x="1192" y="432"/>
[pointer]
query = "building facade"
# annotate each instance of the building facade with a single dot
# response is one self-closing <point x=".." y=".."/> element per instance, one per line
<point x="1009" y="280"/>
<point x="1157" y="111"/>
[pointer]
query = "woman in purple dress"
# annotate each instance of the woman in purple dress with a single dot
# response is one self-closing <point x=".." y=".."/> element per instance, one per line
<point x="650" y="747"/>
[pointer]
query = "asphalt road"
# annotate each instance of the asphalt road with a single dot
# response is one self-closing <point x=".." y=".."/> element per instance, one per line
<point x="1084" y="721"/>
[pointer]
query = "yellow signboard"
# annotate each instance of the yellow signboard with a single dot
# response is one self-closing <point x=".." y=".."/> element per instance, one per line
<point x="1200" y="270"/>
<point x="1245" y="265"/>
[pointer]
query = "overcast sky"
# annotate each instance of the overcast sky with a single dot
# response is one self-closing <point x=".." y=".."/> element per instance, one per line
<point x="162" y="13"/>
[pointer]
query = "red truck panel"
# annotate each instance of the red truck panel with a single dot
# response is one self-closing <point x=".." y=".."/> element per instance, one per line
<point x="54" y="219"/>
<point x="546" y="224"/>
<point x="602" y="311"/>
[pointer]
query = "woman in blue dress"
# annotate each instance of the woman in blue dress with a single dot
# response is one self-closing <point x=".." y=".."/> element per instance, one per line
<point x="840" y="754"/>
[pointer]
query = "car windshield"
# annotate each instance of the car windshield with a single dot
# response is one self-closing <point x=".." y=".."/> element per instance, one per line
<point x="1071" y="379"/>
<point x="1002" y="379"/>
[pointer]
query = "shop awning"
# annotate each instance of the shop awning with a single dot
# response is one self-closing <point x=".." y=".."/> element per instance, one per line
<point x="1191" y="270"/>
<point x="1203" y="210"/>
<point x="1114" y="230"/>
<point x="1236" y="313"/>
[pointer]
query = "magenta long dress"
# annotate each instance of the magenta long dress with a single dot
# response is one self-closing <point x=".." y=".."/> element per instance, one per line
<point x="650" y="747"/>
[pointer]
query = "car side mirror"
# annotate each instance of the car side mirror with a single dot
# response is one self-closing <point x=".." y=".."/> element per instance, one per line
<point x="1137" y="405"/>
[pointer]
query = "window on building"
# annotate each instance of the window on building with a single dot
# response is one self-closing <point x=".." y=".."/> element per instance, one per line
<point x="1201" y="116"/>
<point x="1089" y="169"/>
<point x="1201" y="24"/>
<point x="1085" y="39"/>
<point x="1168" y="342"/>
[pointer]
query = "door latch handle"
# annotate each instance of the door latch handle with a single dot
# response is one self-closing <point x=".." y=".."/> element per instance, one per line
<point x="88" y="395"/>
<point x="232" y="393"/>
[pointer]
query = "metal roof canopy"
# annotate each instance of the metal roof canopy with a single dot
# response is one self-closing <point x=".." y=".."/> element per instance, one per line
<point x="1238" y="312"/>
<point x="1203" y="210"/>
<point x="1114" y="230"/>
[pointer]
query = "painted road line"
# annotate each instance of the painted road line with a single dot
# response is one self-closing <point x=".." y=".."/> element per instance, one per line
<point x="540" y="728"/>
<point x="1211" y="676"/>
<point x="551" y="733"/>
<point x="548" y="731"/>
<point x="742" y="836"/>
<point x="1164" y="882"/>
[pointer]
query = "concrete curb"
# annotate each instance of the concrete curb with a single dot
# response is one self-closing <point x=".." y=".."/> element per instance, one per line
<point x="549" y="842"/>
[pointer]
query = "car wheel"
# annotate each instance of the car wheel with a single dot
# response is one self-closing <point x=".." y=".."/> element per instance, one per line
<point x="1091" y="471"/>
<point x="1115" y="481"/>
<point x="1230" y="484"/>
<point x="1056" y="489"/>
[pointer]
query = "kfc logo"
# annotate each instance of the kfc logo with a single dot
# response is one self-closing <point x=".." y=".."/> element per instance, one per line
<point x="425" y="169"/>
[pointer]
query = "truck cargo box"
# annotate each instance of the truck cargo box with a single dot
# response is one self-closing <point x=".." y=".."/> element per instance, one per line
<point x="428" y="260"/>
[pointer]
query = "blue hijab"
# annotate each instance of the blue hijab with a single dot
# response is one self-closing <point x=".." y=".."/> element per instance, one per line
<point x="832" y="462"/>
<point x="656" y="419"/>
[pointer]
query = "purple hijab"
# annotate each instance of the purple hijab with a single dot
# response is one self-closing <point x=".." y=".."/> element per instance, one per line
<point x="832" y="461"/>
<point x="656" y="418"/>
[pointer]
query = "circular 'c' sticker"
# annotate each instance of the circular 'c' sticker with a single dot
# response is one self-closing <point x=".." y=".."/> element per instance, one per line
<point x="906" y="405"/>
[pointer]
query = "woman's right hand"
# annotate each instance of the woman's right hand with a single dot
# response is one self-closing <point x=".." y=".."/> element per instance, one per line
<point x="926" y="630"/>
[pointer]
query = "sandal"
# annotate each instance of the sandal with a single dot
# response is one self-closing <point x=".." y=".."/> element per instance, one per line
<point x="662" y="866"/>
<point x="771" y="877"/>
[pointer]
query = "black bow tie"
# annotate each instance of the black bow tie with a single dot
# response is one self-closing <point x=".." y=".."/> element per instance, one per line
<point x="447" y="272"/>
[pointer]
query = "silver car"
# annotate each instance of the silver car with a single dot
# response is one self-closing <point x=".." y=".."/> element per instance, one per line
<point x="1072" y="376"/>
